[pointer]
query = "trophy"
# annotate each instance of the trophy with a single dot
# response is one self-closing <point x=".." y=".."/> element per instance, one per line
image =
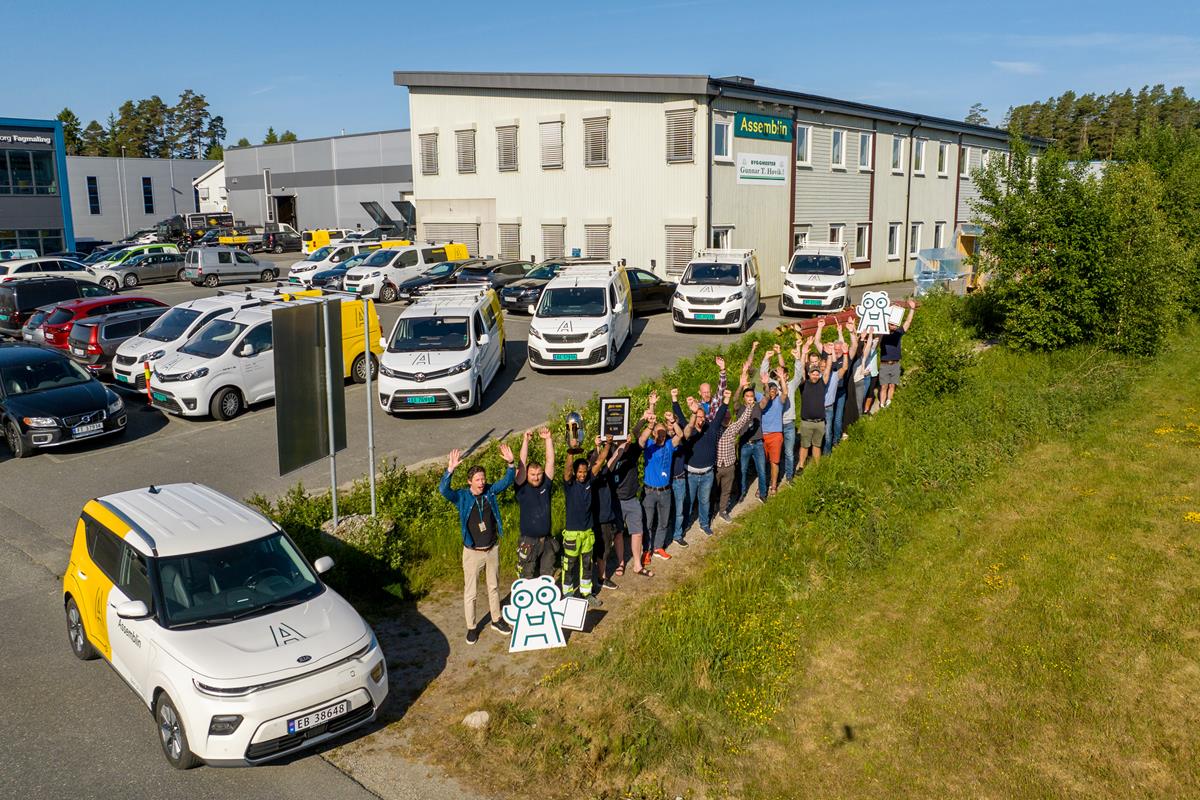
<point x="575" y="430"/>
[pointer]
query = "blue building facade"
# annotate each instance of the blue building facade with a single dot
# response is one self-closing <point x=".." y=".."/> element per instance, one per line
<point x="35" y="201"/>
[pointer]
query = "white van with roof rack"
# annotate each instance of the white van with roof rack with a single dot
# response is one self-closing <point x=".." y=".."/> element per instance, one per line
<point x="443" y="352"/>
<point x="381" y="275"/>
<point x="817" y="280"/>
<point x="583" y="318"/>
<point x="719" y="289"/>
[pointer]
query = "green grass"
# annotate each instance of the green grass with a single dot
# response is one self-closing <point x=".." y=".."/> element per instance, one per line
<point x="742" y="678"/>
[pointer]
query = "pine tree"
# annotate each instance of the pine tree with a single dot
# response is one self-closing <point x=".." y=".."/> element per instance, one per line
<point x="243" y="142"/>
<point x="95" y="140"/>
<point x="977" y="115"/>
<point x="215" y="136"/>
<point x="287" y="136"/>
<point x="72" y="131"/>
<point x="191" y="124"/>
<point x="271" y="137"/>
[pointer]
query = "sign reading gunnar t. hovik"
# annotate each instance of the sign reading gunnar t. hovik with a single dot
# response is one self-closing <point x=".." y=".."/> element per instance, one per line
<point x="762" y="170"/>
<point x="754" y="126"/>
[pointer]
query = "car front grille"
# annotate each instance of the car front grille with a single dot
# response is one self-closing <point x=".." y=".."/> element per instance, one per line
<point x="84" y="419"/>
<point x="126" y="361"/>
<point x="727" y="319"/>
<point x="274" y="747"/>
<point x="565" y="338"/>
<point x="705" y="301"/>
<point x="441" y="401"/>
<point x="420" y="377"/>
<point x="598" y="356"/>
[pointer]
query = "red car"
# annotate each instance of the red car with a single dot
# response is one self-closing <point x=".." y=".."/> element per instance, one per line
<point x="58" y="323"/>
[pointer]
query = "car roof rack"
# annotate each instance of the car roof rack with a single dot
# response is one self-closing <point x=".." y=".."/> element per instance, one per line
<point x="450" y="295"/>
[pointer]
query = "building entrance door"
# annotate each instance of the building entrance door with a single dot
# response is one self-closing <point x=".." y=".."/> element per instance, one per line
<point x="285" y="209"/>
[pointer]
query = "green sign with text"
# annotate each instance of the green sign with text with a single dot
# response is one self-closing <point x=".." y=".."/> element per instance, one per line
<point x="753" y="126"/>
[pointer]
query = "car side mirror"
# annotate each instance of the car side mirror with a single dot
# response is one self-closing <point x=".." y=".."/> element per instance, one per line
<point x="334" y="259"/>
<point x="531" y="309"/>
<point x="383" y="342"/>
<point x="245" y="349"/>
<point x="850" y="271"/>
<point x="133" y="609"/>
<point x="751" y="281"/>
<point x="783" y="268"/>
<point x="619" y="308"/>
<point x="484" y="339"/>
<point x="323" y="565"/>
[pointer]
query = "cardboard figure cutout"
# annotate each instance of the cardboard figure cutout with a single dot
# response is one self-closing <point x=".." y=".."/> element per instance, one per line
<point x="538" y="614"/>
<point x="873" y="313"/>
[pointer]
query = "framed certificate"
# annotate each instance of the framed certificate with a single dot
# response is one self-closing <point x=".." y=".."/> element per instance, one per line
<point x="614" y="418"/>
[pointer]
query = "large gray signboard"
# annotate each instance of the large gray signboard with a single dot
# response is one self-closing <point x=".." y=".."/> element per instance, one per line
<point x="308" y="375"/>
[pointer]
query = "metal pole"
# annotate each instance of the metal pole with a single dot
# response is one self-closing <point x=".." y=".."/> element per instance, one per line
<point x="370" y="399"/>
<point x="329" y="409"/>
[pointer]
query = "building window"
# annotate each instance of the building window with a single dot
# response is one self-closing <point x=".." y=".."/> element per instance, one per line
<point x="943" y="159"/>
<point x="93" y="195"/>
<point x="722" y="139"/>
<point x="799" y="237"/>
<point x="914" y="238"/>
<point x="964" y="162"/>
<point x="919" y="157"/>
<point x="595" y="142"/>
<point x="804" y="145"/>
<point x="27" y="172"/>
<point x="862" y="242"/>
<point x="510" y="240"/>
<point x="837" y="153"/>
<point x="464" y="146"/>
<point x="680" y="239"/>
<point x="865" y="141"/>
<point x="196" y="198"/>
<point x="985" y="156"/>
<point x="722" y="237"/>
<point x="553" y="241"/>
<point x="596" y="241"/>
<point x="939" y="235"/>
<point x="506" y="148"/>
<point x="41" y="241"/>
<point x="835" y="234"/>
<point x="681" y="135"/>
<point x="148" y="195"/>
<point x="429" y="153"/>
<point x="898" y="154"/>
<point x="552" y="144"/>
<point x="893" y="241"/>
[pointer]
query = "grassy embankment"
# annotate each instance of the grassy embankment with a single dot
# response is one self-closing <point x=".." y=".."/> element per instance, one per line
<point x="988" y="593"/>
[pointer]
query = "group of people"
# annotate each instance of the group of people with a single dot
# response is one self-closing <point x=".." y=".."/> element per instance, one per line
<point x="668" y="472"/>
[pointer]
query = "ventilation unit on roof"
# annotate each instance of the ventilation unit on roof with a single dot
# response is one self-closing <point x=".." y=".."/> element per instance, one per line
<point x="742" y="79"/>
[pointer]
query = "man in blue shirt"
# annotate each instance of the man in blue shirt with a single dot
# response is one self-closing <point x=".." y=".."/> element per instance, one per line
<point x="658" y="442"/>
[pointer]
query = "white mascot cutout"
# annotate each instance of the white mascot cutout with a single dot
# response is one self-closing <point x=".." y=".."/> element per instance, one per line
<point x="873" y="313"/>
<point x="538" y="614"/>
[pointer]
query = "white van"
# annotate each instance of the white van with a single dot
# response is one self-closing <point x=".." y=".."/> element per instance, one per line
<point x="381" y="275"/>
<point x="444" y="351"/>
<point x="328" y="256"/>
<point x="817" y="280"/>
<point x="583" y="318"/>
<point x="719" y="289"/>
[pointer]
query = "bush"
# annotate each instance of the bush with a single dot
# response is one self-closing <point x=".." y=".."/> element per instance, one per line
<point x="939" y="350"/>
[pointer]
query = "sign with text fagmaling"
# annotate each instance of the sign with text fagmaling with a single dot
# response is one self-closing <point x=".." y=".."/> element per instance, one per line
<point x="763" y="170"/>
<point x="754" y="126"/>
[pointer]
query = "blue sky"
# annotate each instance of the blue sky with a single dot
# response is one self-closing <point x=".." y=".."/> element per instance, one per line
<point x="320" y="68"/>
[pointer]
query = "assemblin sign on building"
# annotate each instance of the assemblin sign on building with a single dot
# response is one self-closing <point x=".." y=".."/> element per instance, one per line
<point x="755" y="126"/>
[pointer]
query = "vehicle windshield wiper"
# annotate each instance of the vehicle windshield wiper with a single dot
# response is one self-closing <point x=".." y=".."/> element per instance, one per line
<point x="269" y="607"/>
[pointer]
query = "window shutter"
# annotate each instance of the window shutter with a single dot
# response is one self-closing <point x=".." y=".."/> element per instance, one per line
<point x="596" y="239"/>
<point x="510" y="240"/>
<point x="462" y="232"/>
<point x="506" y="148"/>
<point x="681" y="134"/>
<point x="465" y="142"/>
<point x="680" y="246"/>
<point x="552" y="145"/>
<point x="595" y="142"/>
<point x="553" y="241"/>
<point x="429" y="154"/>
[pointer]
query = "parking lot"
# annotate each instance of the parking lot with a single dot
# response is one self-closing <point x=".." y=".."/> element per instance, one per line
<point x="41" y="497"/>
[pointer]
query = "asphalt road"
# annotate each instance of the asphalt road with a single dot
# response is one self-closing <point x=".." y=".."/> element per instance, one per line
<point x="79" y="717"/>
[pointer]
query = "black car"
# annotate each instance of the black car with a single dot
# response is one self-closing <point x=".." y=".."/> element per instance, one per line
<point x="437" y="275"/>
<point x="20" y="299"/>
<point x="524" y="292"/>
<point x="650" y="292"/>
<point x="46" y="399"/>
<point x="497" y="272"/>
<point x="282" y="242"/>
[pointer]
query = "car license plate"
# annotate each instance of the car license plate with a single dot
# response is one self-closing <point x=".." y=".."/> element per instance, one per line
<point x="84" y="430"/>
<point x="565" y="356"/>
<point x="318" y="717"/>
<point x="808" y="302"/>
<point x="123" y="378"/>
<point x="160" y="397"/>
<point x="3" y="316"/>
<point x="423" y="400"/>
<point x="706" y="316"/>
<point x="77" y="351"/>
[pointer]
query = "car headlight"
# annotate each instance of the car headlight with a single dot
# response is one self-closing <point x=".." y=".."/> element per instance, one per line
<point x="603" y="329"/>
<point x="116" y="405"/>
<point x="679" y="295"/>
<point x="461" y="367"/>
<point x="154" y="356"/>
<point x="534" y="334"/>
<point x="391" y="373"/>
<point x="41" y="422"/>
<point x="200" y="372"/>
<point x="374" y="274"/>
<point x="734" y="296"/>
<point x="841" y="285"/>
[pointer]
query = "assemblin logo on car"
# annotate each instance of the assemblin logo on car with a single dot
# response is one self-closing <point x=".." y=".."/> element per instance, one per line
<point x="133" y="637"/>
<point x="285" y="634"/>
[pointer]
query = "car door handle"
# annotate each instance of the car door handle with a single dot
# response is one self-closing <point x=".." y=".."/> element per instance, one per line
<point x="81" y="574"/>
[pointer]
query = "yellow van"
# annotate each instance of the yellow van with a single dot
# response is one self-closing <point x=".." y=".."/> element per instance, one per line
<point x="316" y="238"/>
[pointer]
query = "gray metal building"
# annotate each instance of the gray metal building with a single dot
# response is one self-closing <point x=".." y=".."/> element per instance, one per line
<point x="113" y="197"/>
<point x="316" y="183"/>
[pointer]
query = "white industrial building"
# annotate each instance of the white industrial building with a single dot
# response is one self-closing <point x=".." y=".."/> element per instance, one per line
<point x="651" y="168"/>
<point x="211" y="194"/>
<point x="113" y="197"/>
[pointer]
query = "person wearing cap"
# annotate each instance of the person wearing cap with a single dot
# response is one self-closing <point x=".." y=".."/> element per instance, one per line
<point x="812" y="403"/>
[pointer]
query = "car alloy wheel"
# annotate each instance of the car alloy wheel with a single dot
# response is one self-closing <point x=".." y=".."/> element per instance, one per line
<point x="387" y="294"/>
<point x="131" y="280"/>
<point x="267" y="275"/>
<point x="211" y="281"/>
<point x="358" y="372"/>
<point x="226" y="404"/>
<point x="179" y="275"/>
<point x="16" y="444"/>
<point x="110" y="284"/>
<point x="80" y="645"/>
<point x="477" y="406"/>
<point x="278" y="249"/>
<point x="172" y="735"/>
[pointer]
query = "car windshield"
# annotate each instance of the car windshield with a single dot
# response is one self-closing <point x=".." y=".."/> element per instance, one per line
<point x="441" y="270"/>
<point x="36" y="319"/>
<point x="809" y="264"/>
<point x="572" y="301"/>
<point x="544" y="273"/>
<point x="99" y="255"/>
<point x="380" y="258"/>
<point x="213" y="339"/>
<point x="319" y="254"/>
<point x="53" y="373"/>
<point x="59" y="315"/>
<point x="171" y="325"/>
<point x="3" y="270"/>
<point x="710" y="273"/>
<point x="429" y="333"/>
<point x="234" y="582"/>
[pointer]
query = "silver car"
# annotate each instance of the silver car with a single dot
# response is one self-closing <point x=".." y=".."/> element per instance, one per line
<point x="211" y="266"/>
<point x="142" y="268"/>
<point x="32" y="331"/>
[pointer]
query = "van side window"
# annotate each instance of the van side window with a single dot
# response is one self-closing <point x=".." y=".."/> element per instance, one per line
<point x="434" y="255"/>
<point x="134" y="577"/>
<point x="92" y="290"/>
<point x="224" y="257"/>
<point x="489" y="316"/>
<point x="407" y="259"/>
<point x="243" y="258"/>
<point x="612" y="296"/>
<point x="260" y="338"/>
<point x="122" y="330"/>
<point x="479" y="329"/>
<point x="103" y="547"/>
